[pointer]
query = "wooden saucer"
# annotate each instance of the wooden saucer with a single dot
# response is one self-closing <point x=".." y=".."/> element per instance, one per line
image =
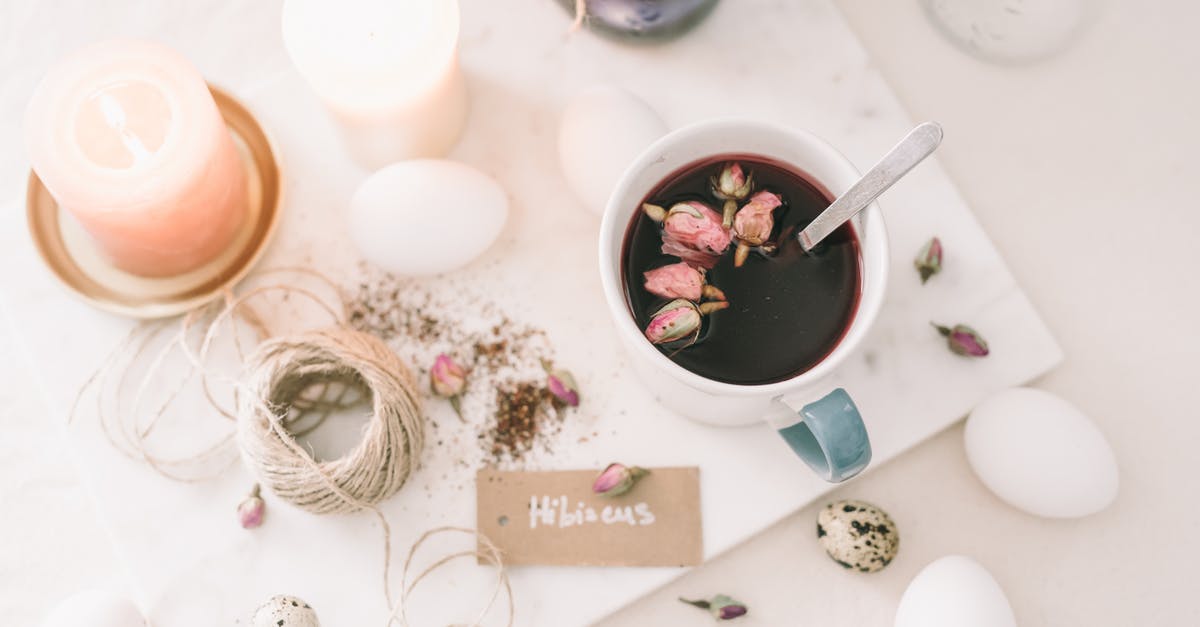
<point x="74" y="259"/>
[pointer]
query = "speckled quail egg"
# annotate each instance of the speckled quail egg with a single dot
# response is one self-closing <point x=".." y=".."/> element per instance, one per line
<point x="857" y="535"/>
<point x="285" y="611"/>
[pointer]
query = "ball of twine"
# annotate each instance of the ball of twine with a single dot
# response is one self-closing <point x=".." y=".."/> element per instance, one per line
<point x="280" y="371"/>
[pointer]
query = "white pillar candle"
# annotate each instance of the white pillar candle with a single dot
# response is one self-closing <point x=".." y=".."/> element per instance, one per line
<point x="126" y="136"/>
<point x="386" y="69"/>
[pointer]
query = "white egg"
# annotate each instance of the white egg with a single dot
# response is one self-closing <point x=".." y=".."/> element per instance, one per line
<point x="954" y="591"/>
<point x="284" y="611"/>
<point x="95" y="608"/>
<point x="601" y="132"/>
<point x="1039" y="453"/>
<point x="426" y="216"/>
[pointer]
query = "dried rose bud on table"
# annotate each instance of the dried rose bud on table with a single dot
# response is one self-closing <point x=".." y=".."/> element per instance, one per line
<point x="252" y="510"/>
<point x="929" y="260"/>
<point x="963" y="340"/>
<point x="562" y="385"/>
<point x="448" y="380"/>
<point x="721" y="607"/>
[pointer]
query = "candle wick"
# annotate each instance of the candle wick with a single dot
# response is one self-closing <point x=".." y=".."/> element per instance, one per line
<point x="114" y="115"/>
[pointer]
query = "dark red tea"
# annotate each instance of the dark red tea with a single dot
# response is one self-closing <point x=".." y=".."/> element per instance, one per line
<point x="786" y="310"/>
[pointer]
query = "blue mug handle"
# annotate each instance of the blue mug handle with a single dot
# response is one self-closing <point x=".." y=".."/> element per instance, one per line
<point x="828" y="434"/>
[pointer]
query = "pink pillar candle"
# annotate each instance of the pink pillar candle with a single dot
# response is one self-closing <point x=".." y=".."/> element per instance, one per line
<point x="126" y="136"/>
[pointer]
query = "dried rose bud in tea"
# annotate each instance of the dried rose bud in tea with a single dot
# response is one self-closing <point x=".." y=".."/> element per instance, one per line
<point x="731" y="185"/>
<point x="753" y="224"/>
<point x="691" y="231"/>
<point x="680" y="280"/>
<point x="679" y="319"/>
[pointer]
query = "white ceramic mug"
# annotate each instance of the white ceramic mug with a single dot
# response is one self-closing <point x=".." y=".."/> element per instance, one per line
<point x="821" y="424"/>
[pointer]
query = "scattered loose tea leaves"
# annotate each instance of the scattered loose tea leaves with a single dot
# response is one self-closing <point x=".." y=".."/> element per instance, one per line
<point x="507" y="402"/>
<point x="522" y="413"/>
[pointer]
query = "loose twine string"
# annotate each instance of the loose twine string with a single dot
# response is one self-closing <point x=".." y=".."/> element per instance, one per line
<point x="580" y="15"/>
<point x="274" y="405"/>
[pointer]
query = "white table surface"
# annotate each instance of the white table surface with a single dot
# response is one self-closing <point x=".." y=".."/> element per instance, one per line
<point x="1123" y="314"/>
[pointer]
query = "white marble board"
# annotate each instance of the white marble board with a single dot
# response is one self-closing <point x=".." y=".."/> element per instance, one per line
<point x="795" y="63"/>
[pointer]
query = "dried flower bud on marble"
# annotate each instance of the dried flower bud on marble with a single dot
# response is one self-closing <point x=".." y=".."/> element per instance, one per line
<point x="929" y="260"/>
<point x="252" y="510"/>
<point x="562" y="385"/>
<point x="722" y="607"/>
<point x="448" y="380"/>
<point x="963" y="340"/>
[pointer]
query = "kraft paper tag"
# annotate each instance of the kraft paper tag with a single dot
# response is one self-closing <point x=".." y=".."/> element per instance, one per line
<point x="553" y="518"/>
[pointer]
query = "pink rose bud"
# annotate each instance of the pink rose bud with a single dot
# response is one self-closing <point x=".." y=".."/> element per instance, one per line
<point x="678" y="280"/>
<point x="446" y="377"/>
<point x="617" y="479"/>
<point x="963" y="340"/>
<point x="677" y="320"/>
<point x="448" y="380"/>
<point x="680" y="319"/>
<point x="562" y="385"/>
<point x="689" y="254"/>
<point x="754" y="223"/>
<point x="929" y="260"/>
<point x="721" y="607"/>
<point x="731" y="185"/>
<point x="732" y="182"/>
<point x="694" y="233"/>
<point x="732" y="610"/>
<point x="694" y="224"/>
<point x="251" y="510"/>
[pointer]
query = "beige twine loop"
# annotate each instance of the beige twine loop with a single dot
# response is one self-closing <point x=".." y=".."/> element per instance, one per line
<point x="580" y="15"/>
<point x="278" y="373"/>
<point x="273" y="405"/>
<point x="486" y="552"/>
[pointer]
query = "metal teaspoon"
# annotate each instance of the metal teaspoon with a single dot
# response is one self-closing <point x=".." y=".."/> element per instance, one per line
<point x="918" y="144"/>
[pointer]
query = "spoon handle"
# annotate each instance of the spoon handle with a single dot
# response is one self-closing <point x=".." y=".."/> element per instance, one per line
<point x="918" y="144"/>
